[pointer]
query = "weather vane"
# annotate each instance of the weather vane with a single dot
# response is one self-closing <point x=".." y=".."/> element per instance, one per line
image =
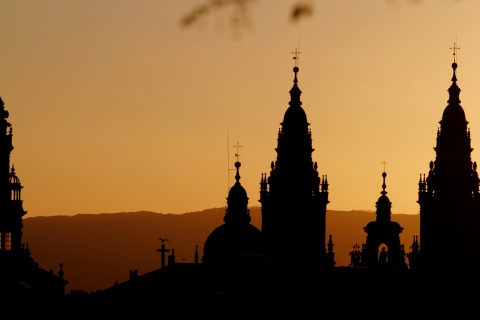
<point x="238" y="146"/>
<point x="296" y="53"/>
<point x="454" y="48"/>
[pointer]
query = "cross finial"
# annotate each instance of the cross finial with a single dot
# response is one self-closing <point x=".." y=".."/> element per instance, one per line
<point x="454" y="48"/>
<point x="384" y="164"/>
<point x="296" y="54"/>
<point x="238" y="146"/>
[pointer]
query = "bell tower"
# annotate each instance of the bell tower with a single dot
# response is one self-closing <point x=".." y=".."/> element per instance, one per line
<point x="11" y="209"/>
<point x="448" y="195"/>
<point x="294" y="197"/>
<point x="384" y="233"/>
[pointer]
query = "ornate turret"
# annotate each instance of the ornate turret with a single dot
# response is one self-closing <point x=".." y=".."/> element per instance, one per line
<point x="18" y="270"/>
<point x="237" y="211"/>
<point x="448" y="196"/>
<point x="11" y="210"/>
<point x="236" y="241"/>
<point x="386" y="234"/>
<point x="294" y="197"/>
<point x="383" y="204"/>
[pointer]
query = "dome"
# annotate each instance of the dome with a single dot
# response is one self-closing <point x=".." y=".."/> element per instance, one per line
<point x="383" y="204"/>
<point x="383" y="201"/>
<point x="295" y="114"/>
<point x="230" y="243"/>
<point x="13" y="179"/>
<point x="237" y="202"/>
<point x="237" y="195"/>
<point x="453" y="112"/>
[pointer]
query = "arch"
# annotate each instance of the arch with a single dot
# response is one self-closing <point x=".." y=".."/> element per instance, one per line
<point x="382" y="251"/>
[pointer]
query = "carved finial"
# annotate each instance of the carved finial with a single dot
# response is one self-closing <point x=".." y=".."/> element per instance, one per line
<point x="237" y="175"/>
<point x="384" y="186"/>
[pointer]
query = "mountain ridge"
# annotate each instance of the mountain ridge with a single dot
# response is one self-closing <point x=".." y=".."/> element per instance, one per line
<point x="98" y="249"/>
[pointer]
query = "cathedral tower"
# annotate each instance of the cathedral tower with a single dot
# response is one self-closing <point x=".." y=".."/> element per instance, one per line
<point x="20" y="274"/>
<point x="294" y="198"/>
<point x="448" y="197"/>
<point x="11" y="210"/>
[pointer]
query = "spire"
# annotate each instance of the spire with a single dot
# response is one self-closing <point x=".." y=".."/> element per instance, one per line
<point x="384" y="186"/>
<point x="237" y="210"/>
<point x="4" y="114"/>
<point x="383" y="204"/>
<point x="237" y="175"/>
<point x="384" y="175"/>
<point x="454" y="90"/>
<point x="295" y="92"/>
<point x="295" y="115"/>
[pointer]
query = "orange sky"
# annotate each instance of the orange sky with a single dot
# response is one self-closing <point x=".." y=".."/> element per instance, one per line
<point x="116" y="108"/>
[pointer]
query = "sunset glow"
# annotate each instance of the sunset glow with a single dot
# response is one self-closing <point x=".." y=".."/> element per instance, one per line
<point x="115" y="107"/>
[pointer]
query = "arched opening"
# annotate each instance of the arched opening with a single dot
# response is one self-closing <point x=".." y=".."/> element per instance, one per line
<point x="383" y="253"/>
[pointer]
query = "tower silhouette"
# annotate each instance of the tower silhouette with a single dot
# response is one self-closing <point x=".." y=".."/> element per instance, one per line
<point x="19" y="273"/>
<point x="448" y="197"/>
<point x="10" y="194"/>
<point x="235" y="243"/>
<point x="385" y="232"/>
<point x="294" y="198"/>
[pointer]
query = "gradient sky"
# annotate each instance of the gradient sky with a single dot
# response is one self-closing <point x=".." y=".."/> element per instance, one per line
<point x="115" y="107"/>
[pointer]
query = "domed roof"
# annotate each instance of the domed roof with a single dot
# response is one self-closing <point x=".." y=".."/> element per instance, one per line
<point x="295" y="113"/>
<point x="230" y="242"/>
<point x="237" y="194"/>
<point x="454" y="111"/>
<point x="236" y="238"/>
<point x="383" y="203"/>
<point x="237" y="202"/>
<point x="13" y="177"/>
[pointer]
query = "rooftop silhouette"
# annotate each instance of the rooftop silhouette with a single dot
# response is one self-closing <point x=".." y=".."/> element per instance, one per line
<point x="290" y="255"/>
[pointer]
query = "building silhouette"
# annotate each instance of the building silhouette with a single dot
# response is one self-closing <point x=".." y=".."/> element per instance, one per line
<point x="448" y="195"/>
<point x="384" y="233"/>
<point x="294" y="197"/>
<point x="236" y="245"/>
<point x="20" y="274"/>
<point x="288" y="262"/>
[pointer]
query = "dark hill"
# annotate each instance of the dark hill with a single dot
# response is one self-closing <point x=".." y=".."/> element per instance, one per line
<point x="99" y="249"/>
